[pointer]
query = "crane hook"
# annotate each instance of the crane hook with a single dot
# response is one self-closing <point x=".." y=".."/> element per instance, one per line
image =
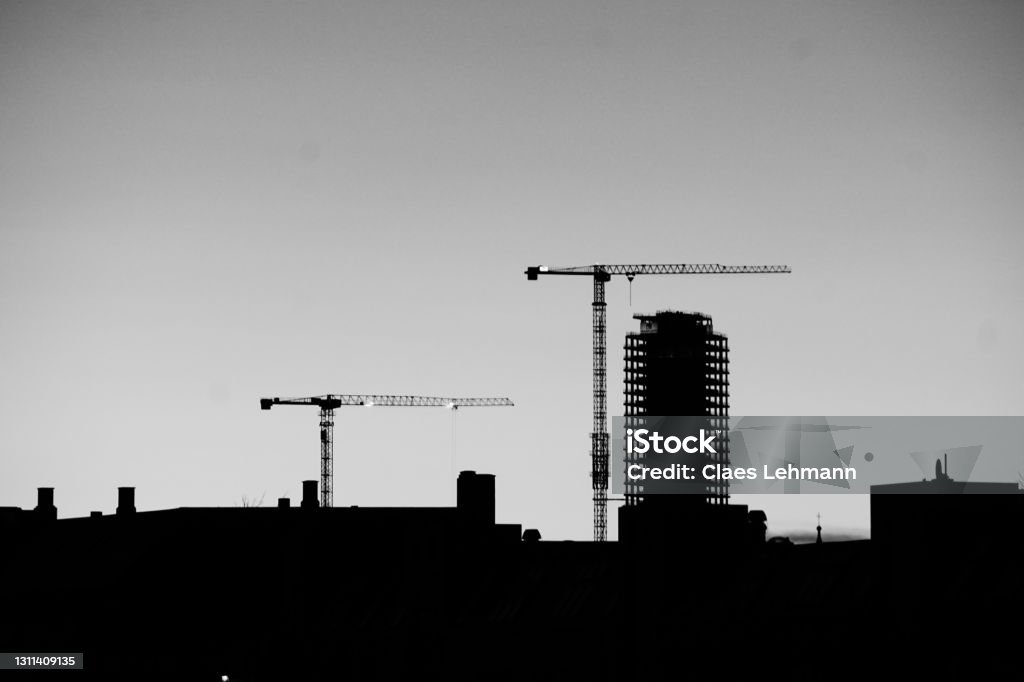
<point x="629" y="278"/>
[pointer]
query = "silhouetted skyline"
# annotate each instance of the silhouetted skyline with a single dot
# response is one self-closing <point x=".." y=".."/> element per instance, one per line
<point x="388" y="593"/>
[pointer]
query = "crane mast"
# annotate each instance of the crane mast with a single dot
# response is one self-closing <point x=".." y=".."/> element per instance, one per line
<point x="329" y="403"/>
<point x="601" y="275"/>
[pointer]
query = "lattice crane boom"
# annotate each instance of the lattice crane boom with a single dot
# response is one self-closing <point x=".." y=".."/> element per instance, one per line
<point x="330" y="402"/>
<point x="602" y="274"/>
<point x="657" y="269"/>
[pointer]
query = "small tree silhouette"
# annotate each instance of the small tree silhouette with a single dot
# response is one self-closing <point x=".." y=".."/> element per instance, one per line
<point x="250" y="502"/>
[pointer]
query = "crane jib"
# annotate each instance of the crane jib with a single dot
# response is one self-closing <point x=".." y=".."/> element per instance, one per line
<point x="631" y="270"/>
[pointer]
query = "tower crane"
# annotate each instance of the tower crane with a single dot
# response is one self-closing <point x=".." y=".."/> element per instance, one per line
<point x="601" y="274"/>
<point x="329" y="403"/>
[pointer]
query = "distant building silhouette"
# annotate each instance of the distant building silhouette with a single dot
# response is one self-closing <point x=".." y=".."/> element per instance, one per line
<point x="953" y="549"/>
<point x="44" y="506"/>
<point x="935" y="512"/>
<point x="125" y="501"/>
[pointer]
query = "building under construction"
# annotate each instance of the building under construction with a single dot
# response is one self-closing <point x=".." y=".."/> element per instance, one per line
<point x="677" y="368"/>
<point x="677" y="365"/>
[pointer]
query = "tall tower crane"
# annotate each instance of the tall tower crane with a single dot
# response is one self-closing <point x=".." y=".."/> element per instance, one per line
<point x="602" y="274"/>
<point x="329" y="403"/>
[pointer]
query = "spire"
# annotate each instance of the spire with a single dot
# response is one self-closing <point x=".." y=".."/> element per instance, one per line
<point x="819" y="529"/>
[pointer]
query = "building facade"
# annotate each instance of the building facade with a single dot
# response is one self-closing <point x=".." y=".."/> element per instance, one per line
<point x="677" y="365"/>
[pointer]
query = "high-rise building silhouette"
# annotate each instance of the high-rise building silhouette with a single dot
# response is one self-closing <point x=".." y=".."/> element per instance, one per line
<point x="677" y="365"/>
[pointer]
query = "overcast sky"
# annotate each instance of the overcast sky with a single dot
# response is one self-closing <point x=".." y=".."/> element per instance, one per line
<point x="203" y="203"/>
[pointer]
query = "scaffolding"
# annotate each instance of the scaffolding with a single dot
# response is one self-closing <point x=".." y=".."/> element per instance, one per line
<point x="677" y="365"/>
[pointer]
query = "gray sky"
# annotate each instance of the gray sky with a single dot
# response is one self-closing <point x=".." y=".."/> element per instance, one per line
<point x="202" y="203"/>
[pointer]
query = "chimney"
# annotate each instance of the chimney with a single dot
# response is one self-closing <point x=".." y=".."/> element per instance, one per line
<point x="44" y="504"/>
<point x="309" y="500"/>
<point x="125" y="501"/>
<point x="283" y="503"/>
<point x="476" y="499"/>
